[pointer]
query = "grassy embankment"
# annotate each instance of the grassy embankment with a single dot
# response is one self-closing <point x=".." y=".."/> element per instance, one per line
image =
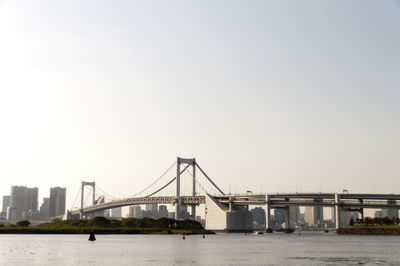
<point x="370" y="230"/>
<point x="101" y="225"/>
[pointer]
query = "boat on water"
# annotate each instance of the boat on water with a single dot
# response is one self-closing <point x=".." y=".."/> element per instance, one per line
<point x="258" y="233"/>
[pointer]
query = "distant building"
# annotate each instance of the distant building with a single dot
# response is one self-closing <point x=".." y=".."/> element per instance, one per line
<point x="314" y="216"/>
<point x="17" y="203"/>
<point x="378" y="214"/>
<point x="116" y="212"/>
<point x="294" y="212"/>
<point x="31" y="202"/>
<point x="153" y="209"/>
<point x="45" y="208"/>
<point x="57" y="201"/>
<point x="390" y="212"/>
<point x="258" y="215"/>
<point x="346" y="216"/>
<point x="6" y="203"/>
<point x="279" y="216"/>
<point x="135" y="212"/>
<point x="162" y="211"/>
<point x="184" y="214"/>
<point x="11" y="214"/>
<point x="171" y="215"/>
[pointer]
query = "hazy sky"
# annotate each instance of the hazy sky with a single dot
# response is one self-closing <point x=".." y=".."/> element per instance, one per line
<point x="267" y="95"/>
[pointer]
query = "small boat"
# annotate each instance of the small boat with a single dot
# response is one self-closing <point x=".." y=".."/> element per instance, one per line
<point x="258" y="232"/>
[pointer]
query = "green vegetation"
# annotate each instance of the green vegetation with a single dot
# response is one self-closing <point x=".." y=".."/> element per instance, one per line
<point x="102" y="225"/>
<point x="372" y="226"/>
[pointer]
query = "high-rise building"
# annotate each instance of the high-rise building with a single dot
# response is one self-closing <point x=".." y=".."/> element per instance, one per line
<point x="162" y="211"/>
<point x="44" y="208"/>
<point x="31" y="200"/>
<point x="116" y="212"/>
<point x="294" y="215"/>
<point x="279" y="216"/>
<point x="17" y="202"/>
<point x="258" y="215"/>
<point x="6" y="203"/>
<point x="390" y="212"/>
<point x="314" y="215"/>
<point x="153" y="208"/>
<point x="57" y="201"/>
<point x="135" y="212"/>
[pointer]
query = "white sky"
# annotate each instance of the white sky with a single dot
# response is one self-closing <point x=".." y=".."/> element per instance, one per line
<point x="267" y="95"/>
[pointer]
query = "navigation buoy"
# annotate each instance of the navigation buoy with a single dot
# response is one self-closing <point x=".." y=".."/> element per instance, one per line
<point x="204" y="236"/>
<point x="183" y="236"/>
<point x="92" y="237"/>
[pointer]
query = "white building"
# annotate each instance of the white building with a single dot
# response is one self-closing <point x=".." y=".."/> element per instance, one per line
<point x="220" y="218"/>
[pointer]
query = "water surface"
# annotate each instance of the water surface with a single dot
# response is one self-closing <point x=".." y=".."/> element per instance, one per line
<point x="220" y="249"/>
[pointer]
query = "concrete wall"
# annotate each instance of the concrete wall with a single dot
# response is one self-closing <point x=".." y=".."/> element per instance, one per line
<point x="219" y="218"/>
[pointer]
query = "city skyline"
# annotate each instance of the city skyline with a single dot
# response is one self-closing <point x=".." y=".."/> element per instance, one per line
<point x="267" y="97"/>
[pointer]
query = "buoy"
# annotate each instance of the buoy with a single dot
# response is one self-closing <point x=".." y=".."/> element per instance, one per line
<point x="92" y="237"/>
<point x="204" y="236"/>
<point x="183" y="236"/>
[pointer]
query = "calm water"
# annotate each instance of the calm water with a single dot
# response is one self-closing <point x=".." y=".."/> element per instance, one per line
<point x="221" y="249"/>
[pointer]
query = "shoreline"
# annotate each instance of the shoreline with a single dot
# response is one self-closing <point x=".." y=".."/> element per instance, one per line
<point x="370" y="230"/>
<point x="100" y="231"/>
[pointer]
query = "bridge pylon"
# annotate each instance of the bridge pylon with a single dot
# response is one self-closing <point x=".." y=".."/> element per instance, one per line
<point x="93" y="185"/>
<point x="191" y="162"/>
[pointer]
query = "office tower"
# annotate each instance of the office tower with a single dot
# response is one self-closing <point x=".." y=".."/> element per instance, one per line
<point x="31" y="200"/>
<point x="294" y="215"/>
<point x="314" y="215"/>
<point x="44" y="208"/>
<point x="57" y="201"/>
<point x="162" y="211"/>
<point x="390" y="212"/>
<point x="258" y="215"/>
<point x="135" y="212"/>
<point x="279" y="216"/>
<point x="17" y="202"/>
<point x="153" y="209"/>
<point x="6" y="203"/>
<point x="116" y="212"/>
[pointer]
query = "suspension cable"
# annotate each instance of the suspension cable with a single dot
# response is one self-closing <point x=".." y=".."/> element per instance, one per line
<point x="184" y="169"/>
<point x="76" y="197"/>
<point x="209" y="179"/>
<point x="105" y="193"/>
<point x="140" y="192"/>
<point x="87" y="196"/>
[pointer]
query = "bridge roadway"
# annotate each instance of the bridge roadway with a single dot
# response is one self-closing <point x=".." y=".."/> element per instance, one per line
<point x="184" y="200"/>
<point x="344" y="200"/>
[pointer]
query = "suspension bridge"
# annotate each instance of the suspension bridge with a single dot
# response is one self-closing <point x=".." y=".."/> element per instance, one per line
<point x="228" y="212"/>
<point x="199" y="194"/>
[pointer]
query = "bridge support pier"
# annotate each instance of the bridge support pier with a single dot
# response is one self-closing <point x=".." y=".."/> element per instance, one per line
<point x="93" y="185"/>
<point x="191" y="162"/>
<point x="338" y="212"/>
<point x="268" y="214"/>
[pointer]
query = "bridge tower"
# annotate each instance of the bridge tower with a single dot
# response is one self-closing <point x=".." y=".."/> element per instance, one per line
<point x="191" y="162"/>
<point x="93" y="185"/>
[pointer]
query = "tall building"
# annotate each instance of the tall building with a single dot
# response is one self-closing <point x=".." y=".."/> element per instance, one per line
<point x="31" y="201"/>
<point x="135" y="212"/>
<point x="17" y="202"/>
<point x="44" y="208"/>
<point x="162" y="211"/>
<point x="153" y="209"/>
<point x="279" y="216"/>
<point x="57" y="201"/>
<point x="258" y="215"/>
<point x="294" y="215"/>
<point x="116" y="212"/>
<point x="314" y="215"/>
<point x="390" y="212"/>
<point x="6" y="203"/>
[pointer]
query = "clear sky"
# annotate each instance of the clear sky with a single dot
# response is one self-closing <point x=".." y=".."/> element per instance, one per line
<point x="267" y="95"/>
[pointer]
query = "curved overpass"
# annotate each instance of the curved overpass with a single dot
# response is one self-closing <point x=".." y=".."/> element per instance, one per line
<point x="185" y="200"/>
